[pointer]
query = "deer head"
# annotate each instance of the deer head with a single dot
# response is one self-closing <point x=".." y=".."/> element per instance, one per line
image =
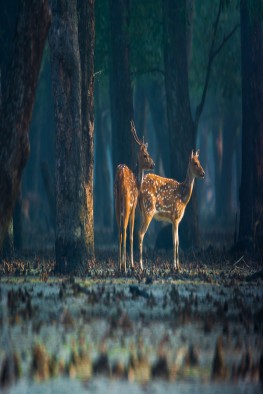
<point x="195" y="166"/>
<point x="145" y="161"/>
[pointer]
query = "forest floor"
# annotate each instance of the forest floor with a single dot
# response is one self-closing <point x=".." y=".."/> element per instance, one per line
<point x="151" y="332"/>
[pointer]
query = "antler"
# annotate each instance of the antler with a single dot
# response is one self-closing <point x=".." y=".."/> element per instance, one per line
<point x="133" y="130"/>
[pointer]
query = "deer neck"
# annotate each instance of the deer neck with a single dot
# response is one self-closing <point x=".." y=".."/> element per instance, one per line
<point x="140" y="174"/>
<point x="187" y="186"/>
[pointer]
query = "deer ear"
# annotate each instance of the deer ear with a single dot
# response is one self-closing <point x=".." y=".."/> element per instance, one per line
<point x="146" y="145"/>
<point x="197" y="152"/>
<point x="192" y="154"/>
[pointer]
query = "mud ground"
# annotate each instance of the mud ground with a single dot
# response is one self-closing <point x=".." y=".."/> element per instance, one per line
<point x="154" y="331"/>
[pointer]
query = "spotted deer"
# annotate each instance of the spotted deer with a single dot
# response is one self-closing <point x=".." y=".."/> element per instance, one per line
<point x="126" y="191"/>
<point x="165" y="200"/>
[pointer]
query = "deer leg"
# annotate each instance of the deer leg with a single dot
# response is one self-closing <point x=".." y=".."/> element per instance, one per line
<point x="144" y="226"/>
<point x="176" y="245"/>
<point x="131" y="234"/>
<point x="124" y="236"/>
<point x="177" y="249"/>
<point x="120" y="247"/>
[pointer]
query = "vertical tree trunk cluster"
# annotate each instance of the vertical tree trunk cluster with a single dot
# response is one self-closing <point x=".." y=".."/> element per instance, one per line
<point x="180" y="122"/>
<point x="251" y="191"/>
<point x="17" y="102"/>
<point x="72" y="79"/>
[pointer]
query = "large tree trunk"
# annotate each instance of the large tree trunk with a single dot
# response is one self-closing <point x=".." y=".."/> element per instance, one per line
<point x="71" y="244"/>
<point x="251" y="191"/>
<point x="180" y="122"/>
<point x="18" y="98"/>
<point x="120" y="85"/>
<point x="86" y="45"/>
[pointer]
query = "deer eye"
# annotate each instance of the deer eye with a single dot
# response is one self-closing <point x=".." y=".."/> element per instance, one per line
<point x="196" y="164"/>
<point x="145" y="156"/>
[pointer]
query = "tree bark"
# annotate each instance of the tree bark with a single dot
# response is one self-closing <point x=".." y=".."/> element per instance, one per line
<point x="181" y="127"/>
<point x="86" y="46"/>
<point x="251" y="190"/>
<point x="17" y="102"/>
<point x="72" y="244"/>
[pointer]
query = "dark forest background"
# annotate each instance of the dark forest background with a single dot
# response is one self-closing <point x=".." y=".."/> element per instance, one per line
<point x="189" y="73"/>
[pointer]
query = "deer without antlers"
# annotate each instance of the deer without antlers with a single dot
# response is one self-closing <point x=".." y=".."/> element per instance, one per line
<point x="126" y="190"/>
<point x="165" y="200"/>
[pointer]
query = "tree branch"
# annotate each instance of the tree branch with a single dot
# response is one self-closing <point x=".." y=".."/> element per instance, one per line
<point x="200" y="107"/>
<point x="212" y="54"/>
<point x="225" y="39"/>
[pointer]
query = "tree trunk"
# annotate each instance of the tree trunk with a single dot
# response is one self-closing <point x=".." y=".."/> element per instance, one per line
<point x="103" y="201"/>
<point x="180" y="122"/>
<point x="17" y="224"/>
<point x="86" y="45"/>
<point x="8" y="244"/>
<point x="72" y="248"/>
<point x="251" y="191"/>
<point x="121" y="96"/>
<point x="156" y="98"/>
<point x="217" y="136"/>
<point x="17" y="102"/>
<point x="120" y="85"/>
<point x="229" y="139"/>
<point x="140" y="107"/>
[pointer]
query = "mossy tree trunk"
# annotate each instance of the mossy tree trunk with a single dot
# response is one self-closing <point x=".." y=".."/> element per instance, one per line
<point x="17" y="102"/>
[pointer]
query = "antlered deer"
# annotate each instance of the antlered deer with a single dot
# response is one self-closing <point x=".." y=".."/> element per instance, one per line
<point x="126" y="190"/>
<point x="165" y="200"/>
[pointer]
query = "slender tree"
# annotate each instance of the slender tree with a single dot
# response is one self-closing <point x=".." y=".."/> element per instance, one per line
<point x="103" y="181"/>
<point x="74" y="137"/>
<point x="180" y="121"/>
<point x="120" y="85"/>
<point x="17" y="102"/>
<point x="251" y="190"/>
<point x="182" y="125"/>
<point x="86" y="29"/>
<point x="121" y="104"/>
